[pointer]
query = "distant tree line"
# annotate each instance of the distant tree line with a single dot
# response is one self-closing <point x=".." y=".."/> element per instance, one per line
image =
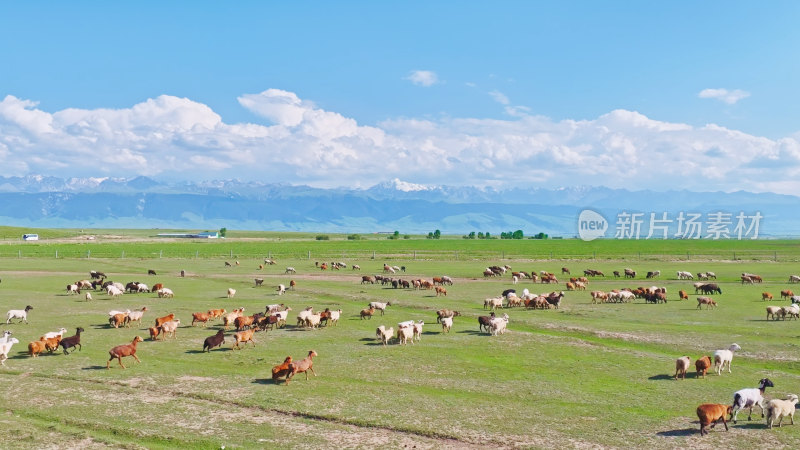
<point x="435" y="235"/>
<point x="479" y="235"/>
<point x="512" y="235"/>
<point x="504" y="235"/>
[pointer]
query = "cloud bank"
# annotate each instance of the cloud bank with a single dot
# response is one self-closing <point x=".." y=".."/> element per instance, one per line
<point x="299" y="143"/>
<point x="724" y="95"/>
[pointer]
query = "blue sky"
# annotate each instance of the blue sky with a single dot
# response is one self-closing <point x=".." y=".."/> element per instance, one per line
<point x="530" y="93"/>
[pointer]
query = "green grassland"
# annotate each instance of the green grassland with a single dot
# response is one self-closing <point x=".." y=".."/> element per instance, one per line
<point x="586" y="375"/>
<point x="256" y="245"/>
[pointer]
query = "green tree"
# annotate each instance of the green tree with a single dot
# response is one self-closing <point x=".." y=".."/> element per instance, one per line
<point x="517" y="235"/>
<point x="437" y="234"/>
<point x="223" y="231"/>
<point x="480" y="234"/>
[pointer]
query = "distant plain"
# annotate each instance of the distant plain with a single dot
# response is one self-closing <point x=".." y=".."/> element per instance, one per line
<point x="586" y="375"/>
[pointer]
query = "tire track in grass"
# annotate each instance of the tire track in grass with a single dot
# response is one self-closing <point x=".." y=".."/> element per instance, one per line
<point x="441" y="439"/>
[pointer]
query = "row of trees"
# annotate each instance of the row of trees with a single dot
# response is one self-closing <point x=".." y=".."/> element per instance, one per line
<point x="504" y="235"/>
<point x="512" y="235"/>
<point x="436" y="235"/>
<point x="481" y="235"/>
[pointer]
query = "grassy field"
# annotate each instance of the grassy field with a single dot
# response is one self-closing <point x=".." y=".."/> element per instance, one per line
<point x="585" y="375"/>
<point x="254" y="246"/>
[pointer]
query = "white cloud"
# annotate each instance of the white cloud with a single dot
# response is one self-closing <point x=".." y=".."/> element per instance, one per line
<point x="511" y="110"/>
<point x="281" y="107"/>
<point x="724" y="95"/>
<point x="177" y="138"/>
<point x="499" y="97"/>
<point x="424" y="78"/>
<point x="517" y="111"/>
<point x="21" y="114"/>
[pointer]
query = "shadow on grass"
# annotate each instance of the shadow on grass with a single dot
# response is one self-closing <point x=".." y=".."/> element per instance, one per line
<point x="215" y="349"/>
<point x="24" y="355"/>
<point x="680" y="433"/>
<point x="300" y="329"/>
<point x="264" y="381"/>
<point x="94" y="368"/>
<point x="690" y="374"/>
<point x="661" y="377"/>
<point x="473" y="332"/>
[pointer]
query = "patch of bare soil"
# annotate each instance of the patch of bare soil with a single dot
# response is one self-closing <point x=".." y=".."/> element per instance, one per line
<point x="606" y="334"/>
<point x="335" y="433"/>
<point x="74" y="443"/>
<point x="685" y="433"/>
<point x="190" y="378"/>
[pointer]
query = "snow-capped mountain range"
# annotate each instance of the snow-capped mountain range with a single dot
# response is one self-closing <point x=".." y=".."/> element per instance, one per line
<point x="142" y="202"/>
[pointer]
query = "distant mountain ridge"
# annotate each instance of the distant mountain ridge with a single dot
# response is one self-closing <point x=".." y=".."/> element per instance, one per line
<point x="142" y="202"/>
